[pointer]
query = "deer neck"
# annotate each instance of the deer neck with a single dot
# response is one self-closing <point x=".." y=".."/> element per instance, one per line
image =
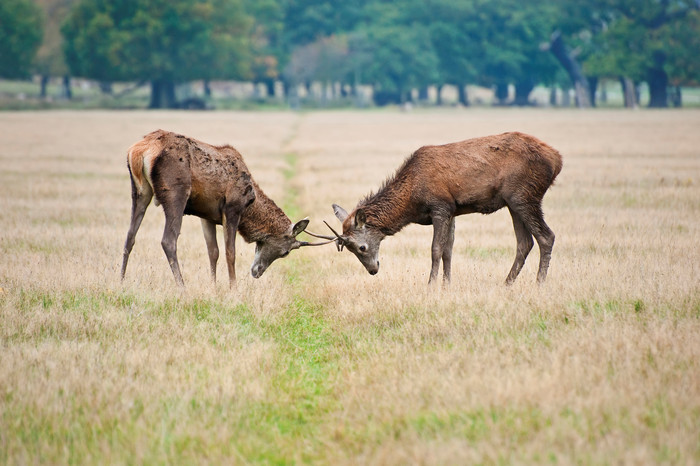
<point x="262" y="219"/>
<point x="389" y="210"/>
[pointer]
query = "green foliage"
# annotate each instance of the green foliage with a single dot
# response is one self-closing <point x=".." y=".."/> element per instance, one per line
<point x="683" y="44"/>
<point x="511" y="36"/>
<point x="175" y="41"/>
<point x="644" y="40"/>
<point x="394" y="46"/>
<point x="456" y="40"/>
<point x="395" y="53"/>
<point x="50" y="60"/>
<point x="20" y="37"/>
<point x="307" y="21"/>
<point x="266" y="39"/>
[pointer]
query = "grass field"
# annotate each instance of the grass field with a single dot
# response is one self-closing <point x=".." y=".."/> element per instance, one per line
<point x="319" y="362"/>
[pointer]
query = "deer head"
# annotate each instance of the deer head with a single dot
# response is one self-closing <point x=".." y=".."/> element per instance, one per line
<point x="274" y="247"/>
<point x="359" y="237"/>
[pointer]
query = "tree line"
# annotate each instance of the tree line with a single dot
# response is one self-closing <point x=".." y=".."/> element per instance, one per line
<point x="394" y="46"/>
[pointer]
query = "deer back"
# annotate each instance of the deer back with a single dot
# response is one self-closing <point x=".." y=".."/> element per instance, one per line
<point x="478" y="174"/>
<point x="209" y="176"/>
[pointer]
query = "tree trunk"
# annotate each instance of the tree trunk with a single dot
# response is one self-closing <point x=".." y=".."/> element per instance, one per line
<point x="439" y="95"/>
<point x="592" y="87"/>
<point x="43" y="84"/>
<point x="463" y="96"/>
<point x="156" y="95"/>
<point x="356" y="89"/>
<point x="286" y="87"/>
<point x="270" y="88"/>
<point x="162" y="94"/>
<point x="501" y="94"/>
<point x="658" y="82"/>
<point x="553" y="96"/>
<point x="423" y="94"/>
<point x="522" y="92"/>
<point x="67" y="91"/>
<point x="572" y="67"/>
<point x="628" y="92"/>
<point x="207" y="89"/>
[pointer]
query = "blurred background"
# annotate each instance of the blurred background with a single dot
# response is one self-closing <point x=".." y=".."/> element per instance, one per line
<point x="239" y="54"/>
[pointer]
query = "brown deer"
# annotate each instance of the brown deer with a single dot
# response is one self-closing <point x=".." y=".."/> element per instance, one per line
<point x="187" y="176"/>
<point x="437" y="183"/>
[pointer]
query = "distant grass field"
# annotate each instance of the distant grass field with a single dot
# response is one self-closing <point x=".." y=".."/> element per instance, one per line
<point x="319" y="362"/>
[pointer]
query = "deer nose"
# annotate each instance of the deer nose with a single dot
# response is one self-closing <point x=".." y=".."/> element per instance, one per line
<point x="256" y="271"/>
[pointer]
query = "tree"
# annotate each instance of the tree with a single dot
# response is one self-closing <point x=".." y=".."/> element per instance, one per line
<point x="684" y="61"/>
<point x="306" y="21"/>
<point x="455" y="38"/>
<point x="309" y="21"/>
<point x="391" y="49"/>
<point x="164" y="42"/>
<point x="20" y="37"/>
<point x="402" y="59"/>
<point x="50" y="60"/>
<point x="510" y="37"/>
<point x="570" y="63"/>
<point x="635" y="40"/>
<point x="266" y="40"/>
<point x="575" y="37"/>
<point x="643" y="32"/>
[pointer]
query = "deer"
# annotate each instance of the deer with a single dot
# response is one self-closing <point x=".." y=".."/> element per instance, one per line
<point x="437" y="183"/>
<point x="191" y="177"/>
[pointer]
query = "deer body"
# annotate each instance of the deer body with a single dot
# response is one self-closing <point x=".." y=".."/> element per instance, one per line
<point x="187" y="176"/>
<point x="438" y="183"/>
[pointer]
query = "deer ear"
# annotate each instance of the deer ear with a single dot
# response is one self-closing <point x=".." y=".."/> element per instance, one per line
<point x="340" y="212"/>
<point x="299" y="227"/>
<point x="360" y="219"/>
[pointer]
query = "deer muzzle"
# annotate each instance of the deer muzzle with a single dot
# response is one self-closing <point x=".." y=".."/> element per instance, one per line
<point x="257" y="270"/>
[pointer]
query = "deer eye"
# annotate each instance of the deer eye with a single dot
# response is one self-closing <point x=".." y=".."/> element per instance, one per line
<point x="363" y="248"/>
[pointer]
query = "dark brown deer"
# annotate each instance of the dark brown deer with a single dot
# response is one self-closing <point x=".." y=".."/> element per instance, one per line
<point x="187" y="176"/>
<point x="437" y="183"/>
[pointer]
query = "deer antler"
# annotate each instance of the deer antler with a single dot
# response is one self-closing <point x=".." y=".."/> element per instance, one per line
<point x="319" y="236"/>
<point x="306" y="243"/>
<point x="340" y="241"/>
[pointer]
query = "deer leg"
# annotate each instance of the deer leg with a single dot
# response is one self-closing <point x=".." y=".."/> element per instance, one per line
<point x="209" y="229"/>
<point x="533" y="219"/>
<point x="441" y="230"/>
<point x="524" y="245"/>
<point x="231" y="219"/>
<point x="173" y="222"/>
<point x="139" y="204"/>
<point x="447" y="253"/>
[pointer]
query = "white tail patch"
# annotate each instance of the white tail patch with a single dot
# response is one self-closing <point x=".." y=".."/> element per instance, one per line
<point x="141" y="157"/>
<point x="149" y="157"/>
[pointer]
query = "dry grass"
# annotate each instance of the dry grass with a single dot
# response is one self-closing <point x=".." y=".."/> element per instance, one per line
<point x="318" y="361"/>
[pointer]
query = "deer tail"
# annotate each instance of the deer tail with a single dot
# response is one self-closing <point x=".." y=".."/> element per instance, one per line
<point x="140" y="158"/>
